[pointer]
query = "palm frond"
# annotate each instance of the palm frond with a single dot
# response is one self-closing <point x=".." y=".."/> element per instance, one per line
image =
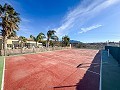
<point x="11" y="19"/>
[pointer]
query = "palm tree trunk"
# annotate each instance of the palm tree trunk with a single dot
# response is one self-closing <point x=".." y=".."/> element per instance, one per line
<point x="36" y="43"/>
<point x="21" y="47"/>
<point x="48" y="42"/>
<point x="5" y="45"/>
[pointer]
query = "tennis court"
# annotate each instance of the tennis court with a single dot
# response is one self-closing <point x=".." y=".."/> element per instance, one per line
<point x="72" y="69"/>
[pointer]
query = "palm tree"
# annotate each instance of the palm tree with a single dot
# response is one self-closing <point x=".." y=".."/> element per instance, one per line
<point x="65" y="40"/>
<point x="13" y="34"/>
<point x="31" y="36"/>
<point x="39" y="37"/>
<point x="9" y="22"/>
<point x="22" y="40"/>
<point x="50" y="33"/>
<point x="55" y="38"/>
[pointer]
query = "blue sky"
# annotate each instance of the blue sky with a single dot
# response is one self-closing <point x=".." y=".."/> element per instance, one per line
<point x="82" y="20"/>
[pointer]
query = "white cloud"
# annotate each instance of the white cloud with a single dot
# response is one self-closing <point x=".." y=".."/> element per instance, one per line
<point x="13" y="3"/>
<point x="25" y="30"/>
<point x="89" y="28"/>
<point x="25" y="20"/>
<point x="24" y="25"/>
<point x="83" y="12"/>
<point x="5" y="1"/>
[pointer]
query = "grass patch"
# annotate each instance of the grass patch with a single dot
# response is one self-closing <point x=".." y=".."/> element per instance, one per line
<point x="1" y="69"/>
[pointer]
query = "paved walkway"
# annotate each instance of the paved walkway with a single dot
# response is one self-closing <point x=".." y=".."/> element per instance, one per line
<point x="110" y="73"/>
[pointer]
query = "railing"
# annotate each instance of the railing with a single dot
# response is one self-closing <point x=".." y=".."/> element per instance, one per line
<point x="114" y="51"/>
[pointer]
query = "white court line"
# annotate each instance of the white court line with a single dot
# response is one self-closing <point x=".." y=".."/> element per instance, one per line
<point x="100" y="85"/>
<point x="3" y="75"/>
<point x="90" y="71"/>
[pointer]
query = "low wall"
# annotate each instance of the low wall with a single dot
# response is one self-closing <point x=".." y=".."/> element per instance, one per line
<point x="114" y="51"/>
<point x="33" y="50"/>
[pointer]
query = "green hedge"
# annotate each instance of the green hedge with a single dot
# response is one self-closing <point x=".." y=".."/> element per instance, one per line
<point x="114" y="51"/>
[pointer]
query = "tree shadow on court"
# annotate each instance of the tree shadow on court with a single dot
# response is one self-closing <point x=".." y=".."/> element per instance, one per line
<point x="91" y="78"/>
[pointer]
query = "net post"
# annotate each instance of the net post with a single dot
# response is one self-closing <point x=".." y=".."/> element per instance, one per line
<point x="108" y="52"/>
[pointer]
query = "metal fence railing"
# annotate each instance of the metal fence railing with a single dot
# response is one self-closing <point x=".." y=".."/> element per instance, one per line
<point x="114" y="51"/>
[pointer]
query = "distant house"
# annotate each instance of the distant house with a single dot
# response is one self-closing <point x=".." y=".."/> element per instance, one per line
<point x="74" y="43"/>
<point x="11" y="43"/>
<point x="30" y="43"/>
<point x="14" y="43"/>
<point x="113" y="44"/>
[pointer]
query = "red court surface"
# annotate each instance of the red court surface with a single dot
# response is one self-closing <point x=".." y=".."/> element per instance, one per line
<point x="56" y="70"/>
